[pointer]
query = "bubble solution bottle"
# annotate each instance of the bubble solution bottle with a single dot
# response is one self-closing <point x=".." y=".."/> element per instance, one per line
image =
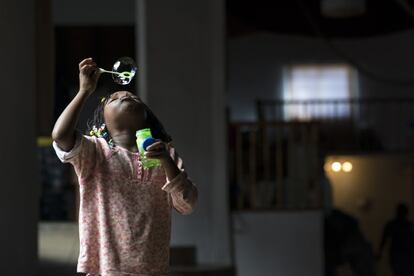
<point x="144" y="139"/>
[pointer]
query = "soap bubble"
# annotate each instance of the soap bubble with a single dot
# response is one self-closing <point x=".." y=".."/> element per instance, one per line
<point x="124" y="70"/>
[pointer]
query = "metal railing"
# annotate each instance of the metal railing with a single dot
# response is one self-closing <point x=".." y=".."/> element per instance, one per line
<point x="389" y="120"/>
<point x="260" y="154"/>
<point x="276" y="160"/>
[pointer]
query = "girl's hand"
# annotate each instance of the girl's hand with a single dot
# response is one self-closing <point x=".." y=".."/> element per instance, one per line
<point x="158" y="150"/>
<point x="88" y="75"/>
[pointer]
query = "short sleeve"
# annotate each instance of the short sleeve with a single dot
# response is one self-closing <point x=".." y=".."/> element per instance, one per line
<point x="83" y="156"/>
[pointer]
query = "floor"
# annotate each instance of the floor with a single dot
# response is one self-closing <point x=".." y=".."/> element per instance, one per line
<point x="59" y="249"/>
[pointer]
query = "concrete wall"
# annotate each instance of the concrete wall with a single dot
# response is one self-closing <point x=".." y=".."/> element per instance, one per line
<point x="94" y="13"/>
<point x="256" y="62"/>
<point x="279" y="243"/>
<point x="19" y="196"/>
<point x="181" y="53"/>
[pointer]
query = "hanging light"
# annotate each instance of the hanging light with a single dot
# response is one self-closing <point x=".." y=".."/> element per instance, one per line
<point x="342" y="8"/>
<point x="336" y="166"/>
<point x="347" y="167"/>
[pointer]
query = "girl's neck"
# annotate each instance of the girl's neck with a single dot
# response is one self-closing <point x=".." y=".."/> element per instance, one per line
<point x="125" y="139"/>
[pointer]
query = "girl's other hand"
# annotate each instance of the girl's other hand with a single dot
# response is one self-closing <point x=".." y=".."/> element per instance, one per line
<point x="88" y="75"/>
<point x="157" y="150"/>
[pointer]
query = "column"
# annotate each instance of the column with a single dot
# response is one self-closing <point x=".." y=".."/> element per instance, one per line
<point x="19" y="182"/>
<point x="180" y="49"/>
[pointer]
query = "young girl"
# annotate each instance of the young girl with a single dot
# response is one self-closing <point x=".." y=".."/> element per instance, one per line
<point x="125" y="209"/>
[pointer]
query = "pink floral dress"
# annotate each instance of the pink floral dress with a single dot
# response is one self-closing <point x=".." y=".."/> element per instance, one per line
<point x="125" y="210"/>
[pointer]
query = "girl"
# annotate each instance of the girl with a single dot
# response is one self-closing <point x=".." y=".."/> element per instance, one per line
<point x="125" y="210"/>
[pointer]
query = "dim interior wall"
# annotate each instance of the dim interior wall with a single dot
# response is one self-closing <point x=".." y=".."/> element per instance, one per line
<point x="371" y="191"/>
<point x="45" y="59"/>
<point x="19" y="196"/>
<point x="93" y="13"/>
<point x="256" y="61"/>
<point x="279" y="243"/>
<point x="181" y="50"/>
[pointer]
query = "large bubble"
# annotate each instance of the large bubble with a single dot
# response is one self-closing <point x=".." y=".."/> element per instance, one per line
<point x="124" y="70"/>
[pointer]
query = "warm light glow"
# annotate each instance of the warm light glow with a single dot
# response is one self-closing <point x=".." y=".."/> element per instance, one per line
<point x="327" y="167"/>
<point x="336" y="166"/>
<point x="347" y="166"/>
<point x="343" y="8"/>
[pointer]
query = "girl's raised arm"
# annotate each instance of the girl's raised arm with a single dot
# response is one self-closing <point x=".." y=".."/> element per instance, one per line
<point x="64" y="130"/>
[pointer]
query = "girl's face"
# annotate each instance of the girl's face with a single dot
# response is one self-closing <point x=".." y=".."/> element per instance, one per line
<point x="124" y="111"/>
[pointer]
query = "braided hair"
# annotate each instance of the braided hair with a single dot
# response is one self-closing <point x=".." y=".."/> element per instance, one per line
<point x="97" y="127"/>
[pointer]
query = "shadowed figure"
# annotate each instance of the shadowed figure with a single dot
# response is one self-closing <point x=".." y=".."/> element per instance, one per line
<point x="400" y="232"/>
<point x="345" y="244"/>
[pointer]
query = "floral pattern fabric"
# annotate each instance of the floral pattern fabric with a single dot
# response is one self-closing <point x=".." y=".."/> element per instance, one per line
<point x="125" y="210"/>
